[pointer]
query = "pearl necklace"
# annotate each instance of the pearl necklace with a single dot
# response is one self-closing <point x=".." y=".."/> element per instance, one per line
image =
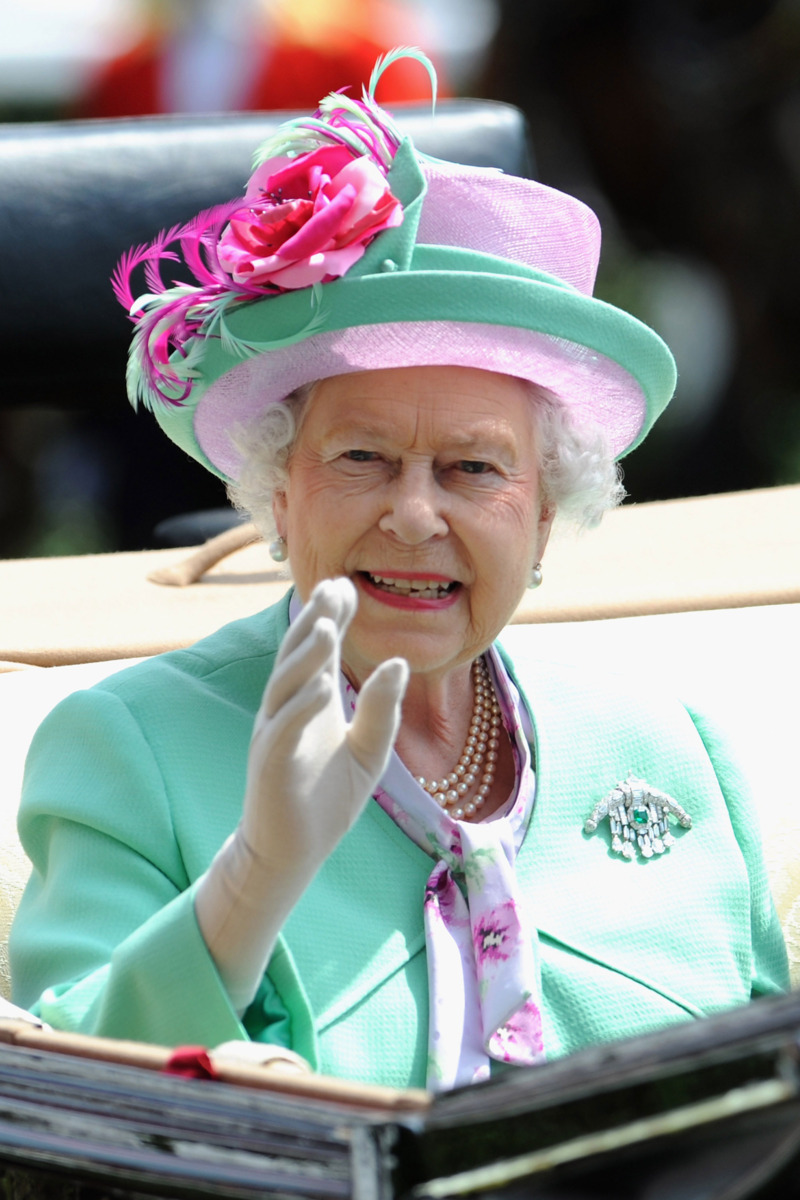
<point x="482" y="743"/>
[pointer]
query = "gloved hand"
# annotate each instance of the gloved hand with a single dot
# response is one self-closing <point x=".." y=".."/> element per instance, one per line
<point x="309" y="776"/>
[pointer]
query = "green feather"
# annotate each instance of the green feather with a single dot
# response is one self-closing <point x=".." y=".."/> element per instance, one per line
<point x="392" y="56"/>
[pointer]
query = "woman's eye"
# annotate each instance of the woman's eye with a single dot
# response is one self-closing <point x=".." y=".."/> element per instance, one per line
<point x="360" y="455"/>
<point x="474" y="467"/>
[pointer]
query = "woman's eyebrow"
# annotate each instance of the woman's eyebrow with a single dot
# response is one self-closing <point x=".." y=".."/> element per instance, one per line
<point x="489" y="443"/>
<point x="478" y="438"/>
<point x="349" y="428"/>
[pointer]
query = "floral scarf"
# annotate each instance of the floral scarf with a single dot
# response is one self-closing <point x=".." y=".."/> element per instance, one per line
<point x="483" y="976"/>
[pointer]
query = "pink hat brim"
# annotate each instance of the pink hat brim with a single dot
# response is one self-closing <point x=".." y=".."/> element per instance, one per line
<point x="599" y="389"/>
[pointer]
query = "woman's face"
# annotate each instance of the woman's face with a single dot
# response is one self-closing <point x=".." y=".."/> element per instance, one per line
<point x="421" y="485"/>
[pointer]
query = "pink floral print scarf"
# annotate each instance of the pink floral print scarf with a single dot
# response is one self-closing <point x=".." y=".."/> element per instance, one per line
<point x="483" y="974"/>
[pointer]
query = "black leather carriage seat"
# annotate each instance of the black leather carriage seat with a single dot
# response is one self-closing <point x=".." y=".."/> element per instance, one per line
<point x="74" y="195"/>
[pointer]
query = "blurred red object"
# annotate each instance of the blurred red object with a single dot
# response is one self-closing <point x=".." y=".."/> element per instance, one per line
<point x="305" y="50"/>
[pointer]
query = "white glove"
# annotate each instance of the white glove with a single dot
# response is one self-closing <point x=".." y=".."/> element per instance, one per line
<point x="309" y="776"/>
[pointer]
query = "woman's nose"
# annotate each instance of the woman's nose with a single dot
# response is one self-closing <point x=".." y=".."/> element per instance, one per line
<point x="414" y="511"/>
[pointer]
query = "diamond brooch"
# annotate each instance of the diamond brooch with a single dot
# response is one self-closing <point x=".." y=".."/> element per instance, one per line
<point x="639" y="816"/>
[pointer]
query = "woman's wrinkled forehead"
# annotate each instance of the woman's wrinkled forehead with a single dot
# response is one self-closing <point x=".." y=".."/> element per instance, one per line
<point x="457" y="409"/>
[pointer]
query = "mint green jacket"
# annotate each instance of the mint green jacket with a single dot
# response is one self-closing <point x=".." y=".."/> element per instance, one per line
<point x="132" y="786"/>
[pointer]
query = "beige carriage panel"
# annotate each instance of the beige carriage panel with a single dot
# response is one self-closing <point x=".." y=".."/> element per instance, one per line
<point x="671" y="556"/>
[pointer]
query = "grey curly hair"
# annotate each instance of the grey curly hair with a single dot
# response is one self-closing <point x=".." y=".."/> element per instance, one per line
<point x="579" y="477"/>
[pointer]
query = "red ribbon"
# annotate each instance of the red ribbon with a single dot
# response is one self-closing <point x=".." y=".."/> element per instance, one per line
<point x="192" y="1062"/>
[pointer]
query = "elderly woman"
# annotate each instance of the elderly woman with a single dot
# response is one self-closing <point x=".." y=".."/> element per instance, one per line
<point x="350" y="825"/>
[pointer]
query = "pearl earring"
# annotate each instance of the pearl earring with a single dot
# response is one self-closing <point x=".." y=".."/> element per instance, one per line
<point x="535" y="579"/>
<point x="278" y="550"/>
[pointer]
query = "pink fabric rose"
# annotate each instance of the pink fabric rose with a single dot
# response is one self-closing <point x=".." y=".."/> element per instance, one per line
<point x="311" y="219"/>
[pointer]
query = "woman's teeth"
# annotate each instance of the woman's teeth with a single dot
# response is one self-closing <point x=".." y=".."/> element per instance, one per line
<point x="426" y="589"/>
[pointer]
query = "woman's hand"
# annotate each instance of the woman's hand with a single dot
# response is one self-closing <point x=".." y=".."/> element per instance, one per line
<point x="309" y="776"/>
<point x="310" y="773"/>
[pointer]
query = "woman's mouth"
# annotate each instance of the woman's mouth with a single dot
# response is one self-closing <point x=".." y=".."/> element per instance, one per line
<point x="423" y="588"/>
<point x="405" y="591"/>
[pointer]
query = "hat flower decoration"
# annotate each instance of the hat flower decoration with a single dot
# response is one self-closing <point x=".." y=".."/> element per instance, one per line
<point x="317" y="198"/>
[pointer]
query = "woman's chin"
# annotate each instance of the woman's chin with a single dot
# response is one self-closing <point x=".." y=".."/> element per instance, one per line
<point x="432" y="639"/>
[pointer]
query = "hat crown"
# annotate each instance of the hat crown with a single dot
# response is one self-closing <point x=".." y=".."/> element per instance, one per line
<point x="481" y="209"/>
